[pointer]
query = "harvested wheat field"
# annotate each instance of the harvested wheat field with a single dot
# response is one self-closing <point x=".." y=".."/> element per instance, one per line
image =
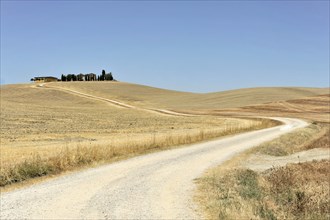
<point x="311" y="108"/>
<point x="60" y="129"/>
<point x="150" y="97"/>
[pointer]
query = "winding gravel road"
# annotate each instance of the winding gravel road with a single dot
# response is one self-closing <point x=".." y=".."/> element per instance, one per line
<point x="154" y="186"/>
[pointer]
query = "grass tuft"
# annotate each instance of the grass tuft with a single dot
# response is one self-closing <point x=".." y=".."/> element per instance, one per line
<point x="32" y="168"/>
<point x="248" y="182"/>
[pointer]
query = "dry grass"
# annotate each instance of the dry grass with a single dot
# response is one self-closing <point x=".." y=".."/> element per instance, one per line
<point x="300" y="191"/>
<point x="37" y="118"/>
<point x="150" y="97"/>
<point x="313" y="108"/>
<point x="322" y="142"/>
<point x="316" y="135"/>
<point x="45" y="131"/>
<point x="295" y="191"/>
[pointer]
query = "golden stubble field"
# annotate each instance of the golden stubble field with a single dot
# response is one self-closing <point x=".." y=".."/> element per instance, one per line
<point x="45" y="130"/>
<point x="150" y="97"/>
<point x="313" y="108"/>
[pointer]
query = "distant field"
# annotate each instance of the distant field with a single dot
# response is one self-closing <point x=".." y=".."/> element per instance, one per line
<point x="312" y="108"/>
<point x="160" y="98"/>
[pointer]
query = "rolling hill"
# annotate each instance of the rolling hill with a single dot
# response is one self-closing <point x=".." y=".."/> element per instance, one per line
<point x="151" y="97"/>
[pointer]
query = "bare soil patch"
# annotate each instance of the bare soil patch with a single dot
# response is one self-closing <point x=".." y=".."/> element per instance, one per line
<point x="260" y="162"/>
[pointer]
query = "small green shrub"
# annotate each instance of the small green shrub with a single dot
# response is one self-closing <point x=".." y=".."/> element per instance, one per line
<point x="249" y="187"/>
<point x="265" y="213"/>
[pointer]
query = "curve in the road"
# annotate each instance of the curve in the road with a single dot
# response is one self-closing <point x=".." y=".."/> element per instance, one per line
<point x="153" y="186"/>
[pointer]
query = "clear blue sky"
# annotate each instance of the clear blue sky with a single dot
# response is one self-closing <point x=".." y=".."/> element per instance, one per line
<point x="198" y="46"/>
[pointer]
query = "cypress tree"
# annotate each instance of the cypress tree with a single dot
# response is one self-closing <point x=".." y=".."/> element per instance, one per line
<point x="63" y="78"/>
<point x="103" y="75"/>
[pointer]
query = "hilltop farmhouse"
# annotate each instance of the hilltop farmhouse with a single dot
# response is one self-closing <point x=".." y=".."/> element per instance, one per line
<point x="86" y="77"/>
<point x="79" y="77"/>
<point x="45" y="79"/>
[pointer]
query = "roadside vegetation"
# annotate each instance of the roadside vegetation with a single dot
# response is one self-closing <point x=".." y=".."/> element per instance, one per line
<point x="316" y="135"/>
<point x="293" y="191"/>
<point x="296" y="191"/>
<point x="81" y="155"/>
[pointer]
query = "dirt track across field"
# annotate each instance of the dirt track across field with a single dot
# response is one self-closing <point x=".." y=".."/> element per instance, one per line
<point x="153" y="186"/>
<point x="112" y="102"/>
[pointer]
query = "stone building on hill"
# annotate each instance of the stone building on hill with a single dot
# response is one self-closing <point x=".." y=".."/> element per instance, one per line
<point x="90" y="77"/>
<point x="45" y="79"/>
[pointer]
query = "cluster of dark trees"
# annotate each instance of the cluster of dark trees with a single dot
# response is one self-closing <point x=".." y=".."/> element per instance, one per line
<point x="88" y="77"/>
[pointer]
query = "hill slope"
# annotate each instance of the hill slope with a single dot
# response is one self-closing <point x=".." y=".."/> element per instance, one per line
<point x="151" y="97"/>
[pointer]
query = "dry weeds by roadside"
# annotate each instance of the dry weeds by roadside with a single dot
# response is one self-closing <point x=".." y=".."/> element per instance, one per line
<point x="295" y="191"/>
<point x="316" y="135"/>
<point x="82" y="155"/>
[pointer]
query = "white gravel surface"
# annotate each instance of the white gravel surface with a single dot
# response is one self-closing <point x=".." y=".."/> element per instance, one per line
<point x="154" y="186"/>
<point x="262" y="162"/>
